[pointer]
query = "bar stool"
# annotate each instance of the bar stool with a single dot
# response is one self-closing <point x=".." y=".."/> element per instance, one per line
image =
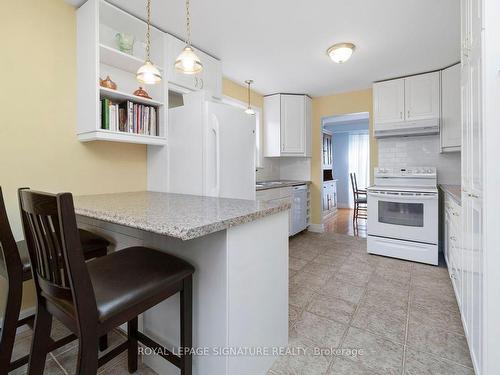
<point x="15" y="267"/>
<point x="93" y="298"/>
<point x="360" y="200"/>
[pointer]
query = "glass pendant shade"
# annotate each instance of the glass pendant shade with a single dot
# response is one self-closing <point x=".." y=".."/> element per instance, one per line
<point x="148" y="74"/>
<point x="250" y="111"/>
<point x="188" y="62"/>
<point x="341" y="52"/>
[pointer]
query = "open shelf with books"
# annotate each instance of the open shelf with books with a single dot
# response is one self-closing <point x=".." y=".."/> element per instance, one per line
<point x="106" y="114"/>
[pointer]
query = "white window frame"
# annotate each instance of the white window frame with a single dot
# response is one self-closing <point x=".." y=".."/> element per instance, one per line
<point x="259" y="153"/>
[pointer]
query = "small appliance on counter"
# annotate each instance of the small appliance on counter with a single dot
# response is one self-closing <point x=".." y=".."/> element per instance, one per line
<point x="403" y="214"/>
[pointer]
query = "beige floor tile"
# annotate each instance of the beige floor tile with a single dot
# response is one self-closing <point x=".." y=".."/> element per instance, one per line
<point x="317" y="268"/>
<point x="341" y="289"/>
<point x="296" y="263"/>
<point x="332" y="308"/>
<point x="300" y="297"/>
<point x="444" y="344"/>
<point x="417" y="363"/>
<point x="382" y="321"/>
<point x="379" y="354"/>
<point x="314" y="281"/>
<point x="353" y="277"/>
<point x="438" y="314"/>
<point x="343" y="366"/>
<point x="331" y="260"/>
<point x="394" y="300"/>
<point x="321" y="331"/>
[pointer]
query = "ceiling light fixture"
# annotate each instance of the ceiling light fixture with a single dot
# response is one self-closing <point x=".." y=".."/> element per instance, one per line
<point x="188" y="62"/>
<point x="148" y="73"/>
<point x="249" y="110"/>
<point x="341" y="52"/>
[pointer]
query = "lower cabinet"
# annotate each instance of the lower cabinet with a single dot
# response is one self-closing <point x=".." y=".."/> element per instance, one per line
<point x="329" y="197"/>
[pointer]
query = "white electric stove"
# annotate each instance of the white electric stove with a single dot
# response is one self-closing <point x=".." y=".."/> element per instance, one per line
<point x="403" y="214"/>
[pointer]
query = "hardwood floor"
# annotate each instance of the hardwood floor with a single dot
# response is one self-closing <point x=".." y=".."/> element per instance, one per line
<point x="342" y="223"/>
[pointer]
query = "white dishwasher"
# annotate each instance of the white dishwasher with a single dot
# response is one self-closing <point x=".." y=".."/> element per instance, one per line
<point x="298" y="211"/>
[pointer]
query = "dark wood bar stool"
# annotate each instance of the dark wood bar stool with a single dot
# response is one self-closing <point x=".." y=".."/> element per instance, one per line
<point x="360" y="200"/>
<point x="93" y="298"/>
<point x="15" y="267"/>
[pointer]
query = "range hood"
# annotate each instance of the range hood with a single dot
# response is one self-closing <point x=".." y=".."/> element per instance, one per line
<point x="407" y="128"/>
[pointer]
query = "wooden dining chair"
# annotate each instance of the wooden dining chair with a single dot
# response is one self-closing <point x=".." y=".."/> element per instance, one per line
<point x="15" y="267"/>
<point x="360" y="200"/>
<point x="93" y="298"/>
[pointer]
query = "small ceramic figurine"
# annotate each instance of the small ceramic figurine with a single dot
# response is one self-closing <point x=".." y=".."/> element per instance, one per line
<point x="140" y="92"/>
<point x="108" y="83"/>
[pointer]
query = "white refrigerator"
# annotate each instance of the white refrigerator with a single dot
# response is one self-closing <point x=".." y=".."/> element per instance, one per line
<point x="211" y="149"/>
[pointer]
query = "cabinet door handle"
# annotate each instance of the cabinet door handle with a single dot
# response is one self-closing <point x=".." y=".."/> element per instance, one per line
<point x="202" y="83"/>
<point x="401" y="115"/>
<point x="196" y="82"/>
<point x="408" y="113"/>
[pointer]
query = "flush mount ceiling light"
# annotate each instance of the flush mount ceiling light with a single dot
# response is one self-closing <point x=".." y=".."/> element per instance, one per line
<point x="148" y="73"/>
<point x="249" y="110"/>
<point x="341" y="52"/>
<point x="188" y="62"/>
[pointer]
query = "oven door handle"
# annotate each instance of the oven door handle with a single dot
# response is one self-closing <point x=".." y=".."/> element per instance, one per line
<point x="393" y="195"/>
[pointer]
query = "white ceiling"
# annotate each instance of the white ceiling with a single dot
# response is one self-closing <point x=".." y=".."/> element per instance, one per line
<point x="281" y="44"/>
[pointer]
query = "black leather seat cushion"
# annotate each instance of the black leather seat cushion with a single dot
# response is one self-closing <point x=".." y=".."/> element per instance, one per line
<point x="128" y="277"/>
<point x="361" y="200"/>
<point x="92" y="244"/>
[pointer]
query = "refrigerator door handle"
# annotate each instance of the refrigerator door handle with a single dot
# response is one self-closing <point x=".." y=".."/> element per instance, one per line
<point x="215" y="130"/>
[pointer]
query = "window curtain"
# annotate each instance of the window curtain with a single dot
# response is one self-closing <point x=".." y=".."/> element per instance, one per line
<point x="359" y="161"/>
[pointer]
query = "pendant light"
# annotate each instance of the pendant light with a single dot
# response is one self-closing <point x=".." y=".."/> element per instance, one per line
<point x="148" y="73"/>
<point x="188" y="62"/>
<point x="249" y="110"/>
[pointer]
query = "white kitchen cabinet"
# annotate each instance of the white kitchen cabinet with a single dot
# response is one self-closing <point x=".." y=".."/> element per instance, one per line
<point x="472" y="181"/>
<point x="388" y="100"/>
<point x="327" y="150"/>
<point x="407" y="106"/>
<point x="422" y="97"/>
<point x="287" y="125"/>
<point x="210" y="78"/>
<point x="451" y="130"/>
<point x="329" y="197"/>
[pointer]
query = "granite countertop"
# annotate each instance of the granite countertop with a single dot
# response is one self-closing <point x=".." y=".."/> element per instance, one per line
<point x="175" y="215"/>
<point x="454" y="191"/>
<point x="275" y="184"/>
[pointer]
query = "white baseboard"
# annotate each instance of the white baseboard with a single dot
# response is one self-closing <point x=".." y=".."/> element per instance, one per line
<point x="22" y="315"/>
<point x="316" y="228"/>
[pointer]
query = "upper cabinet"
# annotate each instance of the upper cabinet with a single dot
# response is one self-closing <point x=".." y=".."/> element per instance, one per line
<point x="389" y="101"/>
<point x="287" y="125"/>
<point x="110" y="42"/>
<point x="407" y="106"/>
<point x="209" y="79"/>
<point x="422" y="97"/>
<point x="451" y="130"/>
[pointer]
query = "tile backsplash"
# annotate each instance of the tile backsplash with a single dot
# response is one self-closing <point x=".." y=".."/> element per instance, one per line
<point x="422" y="151"/>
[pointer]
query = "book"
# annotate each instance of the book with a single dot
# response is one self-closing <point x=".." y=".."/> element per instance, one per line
<point x="105" y="114"/>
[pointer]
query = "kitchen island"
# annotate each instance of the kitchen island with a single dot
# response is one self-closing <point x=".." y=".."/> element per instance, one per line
<point x="239" y="249"/>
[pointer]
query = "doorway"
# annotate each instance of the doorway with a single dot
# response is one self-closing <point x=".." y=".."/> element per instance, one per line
<point x="346" y="150"/>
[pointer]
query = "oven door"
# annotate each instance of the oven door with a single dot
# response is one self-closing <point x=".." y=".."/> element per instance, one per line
<point x="403" y="215"/>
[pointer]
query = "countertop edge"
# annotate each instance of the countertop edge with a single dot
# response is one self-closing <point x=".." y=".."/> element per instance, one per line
<point x="451" y="190"/>
<point x="282" y="185"/>
<point x="184" y="234"/>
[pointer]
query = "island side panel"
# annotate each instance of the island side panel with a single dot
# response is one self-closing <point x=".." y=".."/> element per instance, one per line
<point x="257" y="271"/>
<point x="208" y="254"/>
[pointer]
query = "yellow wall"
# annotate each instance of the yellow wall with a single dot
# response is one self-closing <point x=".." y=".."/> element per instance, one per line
<point x="38" y="143"/>
<point x="239" y="92"/>
<point x="339" y="104"/>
